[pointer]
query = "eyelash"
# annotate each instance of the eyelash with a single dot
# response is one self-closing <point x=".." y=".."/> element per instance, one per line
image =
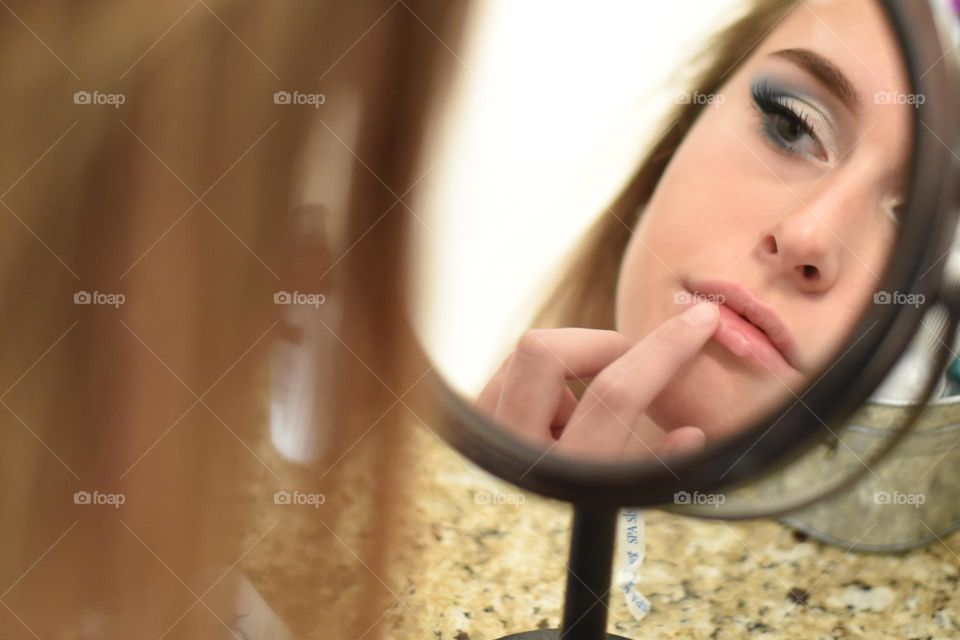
<point x="770" y="103"/>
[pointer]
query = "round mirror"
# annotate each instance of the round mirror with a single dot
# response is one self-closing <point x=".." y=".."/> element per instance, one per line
<point x="661" y="255"/>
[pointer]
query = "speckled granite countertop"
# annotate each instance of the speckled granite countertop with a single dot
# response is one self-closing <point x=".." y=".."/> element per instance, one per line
<point x="480" y="559"/>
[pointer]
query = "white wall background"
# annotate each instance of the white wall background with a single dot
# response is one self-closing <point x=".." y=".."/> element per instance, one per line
<point x="554" y="106"/>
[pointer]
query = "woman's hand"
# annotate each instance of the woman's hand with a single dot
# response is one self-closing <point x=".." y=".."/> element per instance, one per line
<point x="529" y="393"/>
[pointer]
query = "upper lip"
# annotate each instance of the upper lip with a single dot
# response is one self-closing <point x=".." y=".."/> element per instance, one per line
<point x="739" y="299"/>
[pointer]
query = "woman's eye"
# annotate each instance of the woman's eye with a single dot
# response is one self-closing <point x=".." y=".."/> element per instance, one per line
<point x="788" y="129"/>
<point x="785" y="122"/>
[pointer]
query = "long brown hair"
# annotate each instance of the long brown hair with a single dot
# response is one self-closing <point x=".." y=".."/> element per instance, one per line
<point x="583" y="295"/>
<point x="150" y="163"/>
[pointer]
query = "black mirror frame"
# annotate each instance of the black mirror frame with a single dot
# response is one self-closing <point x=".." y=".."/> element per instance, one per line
<point x="885" y="331"/>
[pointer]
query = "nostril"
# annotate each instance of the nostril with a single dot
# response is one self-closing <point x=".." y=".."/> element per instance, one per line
<point x="810" y="272"/>
<point x="771" y="244"/>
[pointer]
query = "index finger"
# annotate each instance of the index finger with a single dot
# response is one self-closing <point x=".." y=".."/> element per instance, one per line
<point x="604" y="419"/>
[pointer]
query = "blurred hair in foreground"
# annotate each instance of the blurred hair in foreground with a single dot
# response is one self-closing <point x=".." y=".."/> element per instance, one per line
<point x="180" y="418"/>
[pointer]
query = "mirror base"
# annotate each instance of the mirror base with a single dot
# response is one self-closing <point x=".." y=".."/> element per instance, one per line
<point x="548" y="634"/>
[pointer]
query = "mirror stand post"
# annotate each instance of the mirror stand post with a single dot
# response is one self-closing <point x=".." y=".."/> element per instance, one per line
<point x="589" y="576"/>
<point x="589" y="573"/>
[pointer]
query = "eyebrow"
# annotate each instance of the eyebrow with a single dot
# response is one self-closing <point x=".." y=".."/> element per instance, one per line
<point x="826" y="72"/>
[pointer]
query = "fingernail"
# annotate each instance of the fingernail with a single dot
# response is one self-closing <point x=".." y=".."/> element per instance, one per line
<point x="703" y="313"/>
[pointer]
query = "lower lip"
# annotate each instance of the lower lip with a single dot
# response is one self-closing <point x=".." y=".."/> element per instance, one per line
<point x="744" y="339"/>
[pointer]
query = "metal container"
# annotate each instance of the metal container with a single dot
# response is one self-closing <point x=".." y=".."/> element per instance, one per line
<point x="910" y="499"/>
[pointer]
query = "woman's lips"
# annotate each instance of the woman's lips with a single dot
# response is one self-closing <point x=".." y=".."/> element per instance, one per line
<point x="744" y="339"/>
<point x="748" y="328"/>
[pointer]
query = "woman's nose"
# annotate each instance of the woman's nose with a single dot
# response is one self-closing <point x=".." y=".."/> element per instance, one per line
<point x="809" y="243"/>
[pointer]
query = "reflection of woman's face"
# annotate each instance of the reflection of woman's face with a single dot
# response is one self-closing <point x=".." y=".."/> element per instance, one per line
<point x="798" y="210"/>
